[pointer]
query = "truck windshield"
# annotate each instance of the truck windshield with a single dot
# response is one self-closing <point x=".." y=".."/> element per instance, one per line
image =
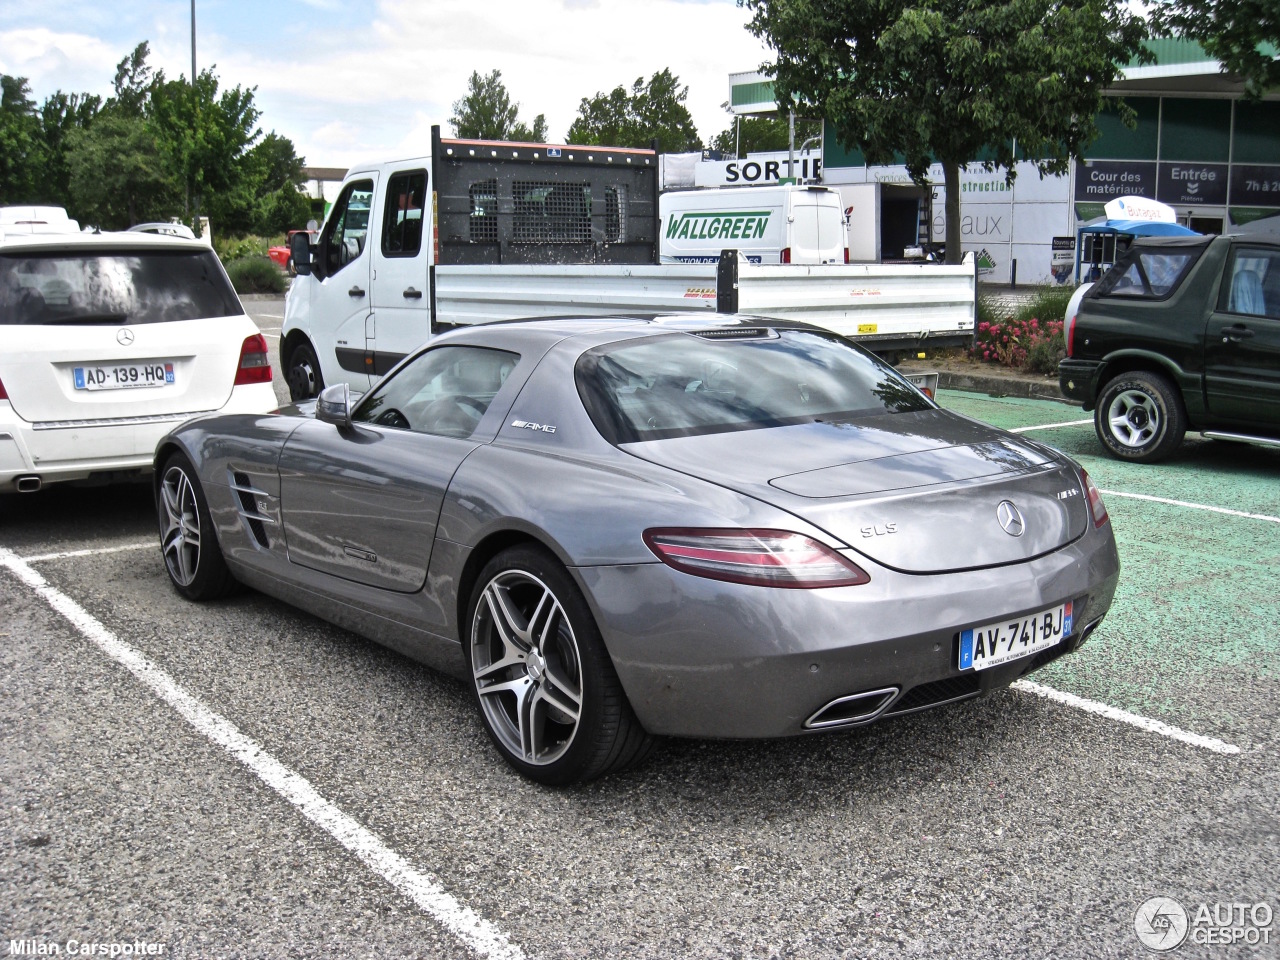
<point x="133" y="286"/>
<point x="1150" y="273"/>
<point x="686" y="385"/>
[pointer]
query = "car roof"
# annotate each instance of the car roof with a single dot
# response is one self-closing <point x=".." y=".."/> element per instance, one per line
<point x="77" y="242"/>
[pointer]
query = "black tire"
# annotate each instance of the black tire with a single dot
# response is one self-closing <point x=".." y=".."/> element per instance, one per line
<point x="302" y="371"/>
<point x="1140" y="417"/>
<point x="188" y="541"/>
<point x="552" y="653"/>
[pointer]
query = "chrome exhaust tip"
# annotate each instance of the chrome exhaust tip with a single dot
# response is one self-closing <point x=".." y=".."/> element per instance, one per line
<point x="852" y="710"/>
<point x="28" y="484"/>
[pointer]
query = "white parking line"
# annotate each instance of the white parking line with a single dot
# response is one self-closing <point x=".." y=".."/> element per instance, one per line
<point x="273" y="336"/>
<point x="273" y="316"/>
<point x="93" y="552"/>
<point x="1051" y="426"/>
<point x="1191" y="506"/>
<point x="422" y="888"/>
<point x="1124" y="716"/>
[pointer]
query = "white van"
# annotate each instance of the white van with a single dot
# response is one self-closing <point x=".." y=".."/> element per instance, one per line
<point x="786" y="224"/>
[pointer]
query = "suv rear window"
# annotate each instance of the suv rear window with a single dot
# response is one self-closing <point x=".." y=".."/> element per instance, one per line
<point x="688" y="385"/>
<point x="100" y="286"/>
<point x="1149" y="273"/>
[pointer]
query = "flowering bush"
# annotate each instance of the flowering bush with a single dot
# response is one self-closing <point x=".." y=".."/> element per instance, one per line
<point x="1023" y="341"/>
<point x="1016" y="343"/>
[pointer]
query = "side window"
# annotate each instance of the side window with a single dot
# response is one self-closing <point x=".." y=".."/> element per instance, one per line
<point x="348" y="225"/>
<point x="402" y="217"/>
<point x="1253" y="284"/>
<point x="1148" y="273"/>
<point x="444" y="391"/>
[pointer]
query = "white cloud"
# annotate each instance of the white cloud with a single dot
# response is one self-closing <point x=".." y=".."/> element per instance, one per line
<point x="72" y="62"/>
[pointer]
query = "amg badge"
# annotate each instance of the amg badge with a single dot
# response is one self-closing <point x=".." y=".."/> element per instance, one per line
<point x="530" y="425"/>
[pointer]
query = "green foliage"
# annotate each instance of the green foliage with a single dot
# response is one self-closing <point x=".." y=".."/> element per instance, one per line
<point x="487" y="113"/>
<point x="761" y="134"/>
<point x="239" y="248"/>
<point x="916" y="81"/>
<point x="116" y="175"/>
<point x="652" y="111"/>
<point x="1234" y="32"/>
<point x="255" y="275"/>
<point x="20" y="143"/>
<point x="156" y="149"/>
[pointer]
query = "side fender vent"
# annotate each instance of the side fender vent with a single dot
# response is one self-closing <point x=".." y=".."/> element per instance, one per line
<point x="251" y="500"/>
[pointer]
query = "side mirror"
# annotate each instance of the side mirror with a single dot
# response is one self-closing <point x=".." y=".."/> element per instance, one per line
<point x="334" y="405"/>
<point x="300" y="252"/>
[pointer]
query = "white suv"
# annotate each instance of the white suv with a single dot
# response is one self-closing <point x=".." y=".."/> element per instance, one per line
<point x="107" y="341"/>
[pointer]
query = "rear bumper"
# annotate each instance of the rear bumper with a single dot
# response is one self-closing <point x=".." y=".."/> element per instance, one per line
<point x="702" y="658"/>
<point x="111" y="449"/>
<point x="1078" y="380"/>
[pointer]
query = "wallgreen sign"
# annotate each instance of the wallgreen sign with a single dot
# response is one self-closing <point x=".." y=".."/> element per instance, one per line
<point x="734" y="225"/>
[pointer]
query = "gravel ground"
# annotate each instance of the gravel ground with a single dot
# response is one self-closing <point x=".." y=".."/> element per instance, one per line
<point x="1005" y="827"/>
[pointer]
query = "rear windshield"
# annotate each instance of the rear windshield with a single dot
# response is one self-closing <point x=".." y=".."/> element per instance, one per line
<point x="151" y="286"/>
<point x="687" y="385"/>
<point x="1148" y="273"/>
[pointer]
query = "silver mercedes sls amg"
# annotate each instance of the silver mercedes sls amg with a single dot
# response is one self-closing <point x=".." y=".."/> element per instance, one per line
<point x="614" y="529"/>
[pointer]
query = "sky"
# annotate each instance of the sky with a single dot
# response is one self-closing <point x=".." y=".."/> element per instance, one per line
<point x="347" y="80"/>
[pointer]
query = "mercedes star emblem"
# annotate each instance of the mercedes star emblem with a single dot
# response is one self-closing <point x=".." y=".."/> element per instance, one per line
<point x="1010" y="519"/>
<point x="124" y="336"/>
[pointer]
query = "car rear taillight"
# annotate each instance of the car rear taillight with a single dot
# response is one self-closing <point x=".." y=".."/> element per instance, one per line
<point x="1071" y="333"/>
<point x="3" y="395"/>
<point x="255" y="365"/>
<point x="765" y="558"/>
<point x="1096" y="506"/>
<point x="846" y="254"/>
<point x="785" y="256"/>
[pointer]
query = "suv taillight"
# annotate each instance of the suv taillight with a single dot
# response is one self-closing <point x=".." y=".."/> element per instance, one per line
<point x="1071" y="332"/>
<point x="785" y="256"/>
<point x="255" y="365"/>
<point x="1096" y="506"/>
<point x="3" y="395"/>
<point x="846" y="254"/>
<point x="762" y="558"/>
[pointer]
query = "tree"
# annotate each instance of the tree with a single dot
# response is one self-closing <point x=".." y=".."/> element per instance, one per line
<point x="116" y="175"/>
<point x="487" y="113"/>
<point x="133" y="82"/>
<point x="952" y="80"/>
<point x="652" y="111"/>
<point x="1233" y="32"/>
<point x="762" y="134"/>
<point x="203" y="136"/>
<point x="21" y="151"/>
<point x="60" y="115"/>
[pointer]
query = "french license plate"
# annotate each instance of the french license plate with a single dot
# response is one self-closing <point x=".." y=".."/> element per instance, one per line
<point x="1005" y="640"/>
<point x="154" y="373"/>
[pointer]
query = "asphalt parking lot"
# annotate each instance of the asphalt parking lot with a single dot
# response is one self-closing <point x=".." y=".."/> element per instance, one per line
<point x="242" y="780"/>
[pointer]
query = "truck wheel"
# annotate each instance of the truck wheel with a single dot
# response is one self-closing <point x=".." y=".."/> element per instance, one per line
<point x="1139" y="417"/>
<point x="302" y="370"/>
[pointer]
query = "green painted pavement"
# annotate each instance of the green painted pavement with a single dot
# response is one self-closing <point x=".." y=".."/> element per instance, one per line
<point x="1196" y="618"/>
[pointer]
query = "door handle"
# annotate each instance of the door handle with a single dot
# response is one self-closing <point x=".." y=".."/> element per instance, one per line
<point x="1235" y="333"/>
<point x="355" y="292"/>
<point x="412" y="294"/>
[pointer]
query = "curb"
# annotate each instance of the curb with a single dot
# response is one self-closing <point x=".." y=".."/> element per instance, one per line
<point x="1003" y="387"/>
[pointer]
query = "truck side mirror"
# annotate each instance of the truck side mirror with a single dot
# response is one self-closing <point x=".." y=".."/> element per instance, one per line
<point x="300" y="253"/>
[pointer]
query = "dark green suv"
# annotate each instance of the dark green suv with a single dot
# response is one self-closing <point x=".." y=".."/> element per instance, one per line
<point x="1182" y="333"/>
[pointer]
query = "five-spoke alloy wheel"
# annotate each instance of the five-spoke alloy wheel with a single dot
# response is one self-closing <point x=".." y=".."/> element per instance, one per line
<point x="547" y="691"/>
<point x="187" y="539"/>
